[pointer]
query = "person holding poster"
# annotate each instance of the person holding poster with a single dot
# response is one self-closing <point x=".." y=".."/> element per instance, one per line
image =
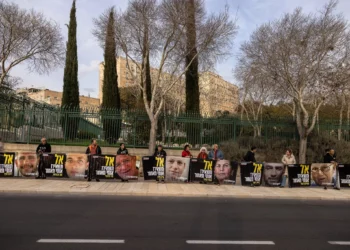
<point x="43" y="147"/>
<point x="323" y="174"/>
<point x="76" y="165"/>
<point x="176" y="168"/>
<point x="186" y="152"/>
<point x="125" y="167"/>
<point x="122" y="150"/>
<point x="222" y="171"/>
<point x="250" y="155"/>
<point x="273" y="173"/>
<point x="27" y="164"/>
<point x="216" y="153"/>
<point x="287" y="159"/>
<point x="203" y="153"/>
<point x="160" y="152"/>
<point x="93" y="149"/>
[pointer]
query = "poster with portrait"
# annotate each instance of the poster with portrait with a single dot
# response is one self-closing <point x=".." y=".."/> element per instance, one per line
<point x="77" y="165"/>
<point x="201" y="170"/>
<point x="7" y="164"/>
<point x="26" y="164"/>
<point x="225" y="172"/>
<point x="153" y="168"/>
<point x="344" y="175"/>
<point x="323" y="174"/>
<point x="125" y="167"/>
<point x="251" y="173"/>
<point x="177" y="169"/>
<point x="53" y="164"/>
<point x="103" y="165"/>
<point x="299" y="175"/>
<point x="273" y="174"/>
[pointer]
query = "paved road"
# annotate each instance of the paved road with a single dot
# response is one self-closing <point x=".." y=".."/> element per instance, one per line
<point x="159" y="223"/>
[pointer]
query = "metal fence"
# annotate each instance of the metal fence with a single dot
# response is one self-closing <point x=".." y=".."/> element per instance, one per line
<point x="27" y="124"/>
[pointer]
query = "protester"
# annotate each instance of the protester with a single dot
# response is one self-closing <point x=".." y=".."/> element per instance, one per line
<point x="287" y="159"/>
<point x="93" y="149"/>
<point x="329" y="156"/>
<point x="122" y="150"/>
<point x="250" y="156"/>
<point x="186" y="152"/>
<point x="216" y="153"/>
<point x="160" y="152"/>
<point x="2" y="147"/>
<point x="203" y="153"/>
<point x="42" y="148"/>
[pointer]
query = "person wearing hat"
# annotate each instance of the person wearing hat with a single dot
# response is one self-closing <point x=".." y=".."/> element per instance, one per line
<point x="203" y="153"/>
<point x="159" y="152"/>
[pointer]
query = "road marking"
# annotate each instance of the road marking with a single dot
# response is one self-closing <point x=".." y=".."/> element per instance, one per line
<point x="343" y="243"/>
<point x="223" y="242"/>
<point x="90" y="241"/>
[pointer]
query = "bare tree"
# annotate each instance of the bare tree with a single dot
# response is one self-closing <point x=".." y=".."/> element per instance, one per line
<point x="27" y="36"/>
<point x="304" y="56"/>
<point x="165" y="35"/>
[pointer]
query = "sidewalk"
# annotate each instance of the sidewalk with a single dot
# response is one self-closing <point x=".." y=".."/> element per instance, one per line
<point x="146" y="188"/>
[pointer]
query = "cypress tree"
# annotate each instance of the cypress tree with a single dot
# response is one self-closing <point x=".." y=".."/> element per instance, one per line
<point x="70" y="97"/>
<point x="192" y="79"/>
<point x="111" y="97"/>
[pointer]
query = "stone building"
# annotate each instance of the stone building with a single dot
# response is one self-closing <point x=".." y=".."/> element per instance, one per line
<point x="216" y="94"/>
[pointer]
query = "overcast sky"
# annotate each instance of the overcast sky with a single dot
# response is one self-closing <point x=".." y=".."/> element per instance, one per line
<point x="250" y="13"/>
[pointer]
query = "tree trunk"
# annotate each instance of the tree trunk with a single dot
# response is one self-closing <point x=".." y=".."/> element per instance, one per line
<point x="302" y="150"/>
<point x="152" y="136"/>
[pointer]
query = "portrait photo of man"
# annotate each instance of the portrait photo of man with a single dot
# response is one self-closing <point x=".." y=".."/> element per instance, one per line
<point x="76" y="165"/>
<point x="125" y="167"/>
<point x="222" y="170"/>
<point x="323" y="174"/>
<point x="27" y="164"/>
<point x="273" y="173"/>
<point x="176" y="168"/>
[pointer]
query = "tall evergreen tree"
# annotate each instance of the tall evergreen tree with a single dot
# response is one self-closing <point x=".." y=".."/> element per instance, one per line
<point x="111" y="97"/>
<point x="192" y="79"/>
<point x="70" y="97"/>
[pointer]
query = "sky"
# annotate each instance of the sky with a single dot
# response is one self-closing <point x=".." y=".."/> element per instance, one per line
<point x="249" y="13"/>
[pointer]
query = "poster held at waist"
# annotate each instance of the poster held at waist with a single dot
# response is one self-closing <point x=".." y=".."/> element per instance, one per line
<point x="251" y="173"/>
<point x="201" y="170"/>
<point x="7" y="164"/>
<point x="323" y="174"/>
<point x="299" y="175"/>
<point x="176" y="169"/>
<point x="273" y="173"/>
<point x="53" y="164"/>
<point x="225" y="172"/>
<point x="153" y="168"/>
<point x="344" y="175"/>
<point x="103" y="165"/>
<point x="126" y="168"/>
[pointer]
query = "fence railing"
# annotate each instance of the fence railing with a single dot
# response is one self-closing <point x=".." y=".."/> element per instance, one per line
<point x="28" y="125"/>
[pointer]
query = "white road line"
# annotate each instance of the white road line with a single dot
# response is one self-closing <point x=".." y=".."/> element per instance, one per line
<point x="90" y="241"/>
<point x="223" y="242"/>
<point x="343" y="243"/>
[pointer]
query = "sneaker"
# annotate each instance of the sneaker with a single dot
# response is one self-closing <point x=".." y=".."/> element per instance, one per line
<point x="38" y="177"/>
<point x="97" y="180"/>
<point x="89" y="179"/>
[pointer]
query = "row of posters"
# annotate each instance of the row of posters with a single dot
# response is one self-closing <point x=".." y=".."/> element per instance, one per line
<point x="172" y="169"/>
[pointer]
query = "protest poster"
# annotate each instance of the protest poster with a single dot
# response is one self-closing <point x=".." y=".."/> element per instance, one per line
<point x="299" y="175"/>
<point x="53" y="164"/>
<point x="225" y="172"/>
<point x="7" y="164"/>
<point x="125" y="167"/>
<point x="103" y="165"/>
<point x="176" y="169"/>
<point x="153" y="168"/>
<point x="323" y="174"/>
<point x="76" y="165"/>
<point x="26" y="164"/>
<point x="201" y="170"/>
<point x="273" y="173"/>
<point x="344" y="175"/>
<point x="251" y="173"/>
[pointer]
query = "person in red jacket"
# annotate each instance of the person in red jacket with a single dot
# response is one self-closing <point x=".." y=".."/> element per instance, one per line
<point x="186" y="152"/>
<point x="203" y="154"/>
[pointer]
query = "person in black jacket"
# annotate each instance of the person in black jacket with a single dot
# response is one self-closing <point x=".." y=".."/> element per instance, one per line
<point x="159" y="152"/>
<point x="93" y="149"/>
<point x="329" y="156"/>
<point x="250" y="156"/>
<point x="122" y="150"/>
<point x="43" y="147"/>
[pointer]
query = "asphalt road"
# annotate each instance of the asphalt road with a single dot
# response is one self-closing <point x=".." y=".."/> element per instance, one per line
<point x="159" y="223"/>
